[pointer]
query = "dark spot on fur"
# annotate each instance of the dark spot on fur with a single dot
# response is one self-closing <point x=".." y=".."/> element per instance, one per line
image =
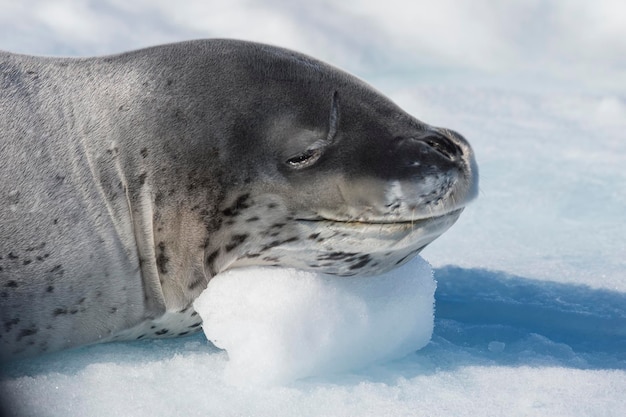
<point x="363" y="260"/>
<point x="195" y="325"/>
<point x="142" y="178"/>
<point x="27" y="261"/>
<point x="26" y="332"/>
<point x="55" y="221"/>
<point x="314" y="236"/>
<point x="14" y="197"/>
<point x="57" y="268"/>
<point x="235" y="241"/>
<point x="158" y="198"/>
<point x="195" y="313"/>
<point x="211" y="258"/>
<point x="59" y="311"/>
<point x="335" y="256"/>
<point x="170" y="81"/>
<point x="11" y="284"/>
<point x="143" y="152"/>
<point x="271" y="206"/>
<point x="253" y="255"/>
<point x="113" y="310"/>
<point x="141" y="336"/>
<point x="12" y="256"/>
<point x="240" y="204"/>
<point x="212" y="223"/>
<point x="161" y="259"/>
<point x="4" y="294"/>
<point x="271" y="259"/>
<point x="49" y="289"/>
<point x="253" y="219"/>
<point x="161" y="332"/>
<point x="182" y="333"/>
<point x="10" y="323"/>
<point x="275" y="243"/>
<point x="74" y="310"/>
<point x="199" y="281"/>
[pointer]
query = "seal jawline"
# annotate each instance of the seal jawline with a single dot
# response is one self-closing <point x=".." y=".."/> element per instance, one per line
<point x="382" y="222"/>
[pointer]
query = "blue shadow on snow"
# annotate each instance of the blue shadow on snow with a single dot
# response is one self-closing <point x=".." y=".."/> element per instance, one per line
<point x="491" y="311"/>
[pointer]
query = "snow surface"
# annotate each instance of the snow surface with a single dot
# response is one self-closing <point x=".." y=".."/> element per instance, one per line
<point x="281" y="324"/>
<point x="530" y="314"/>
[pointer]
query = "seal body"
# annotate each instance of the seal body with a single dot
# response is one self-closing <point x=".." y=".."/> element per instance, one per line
<point x="130" y="180"/>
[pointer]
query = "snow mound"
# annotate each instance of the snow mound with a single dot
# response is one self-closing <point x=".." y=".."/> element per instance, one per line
<point x="279" y="325"/>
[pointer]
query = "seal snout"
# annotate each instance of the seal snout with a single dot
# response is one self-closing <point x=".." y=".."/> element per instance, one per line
<point x="443" y="145"/>
<point x="433" y="143"/>
<point x="429" y="148"/>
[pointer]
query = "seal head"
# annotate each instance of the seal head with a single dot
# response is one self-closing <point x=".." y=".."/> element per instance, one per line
<point x="338" y="178"/>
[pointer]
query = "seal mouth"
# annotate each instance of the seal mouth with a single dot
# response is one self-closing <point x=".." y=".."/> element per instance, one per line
<point x="378" y="234"/>
<point x="352" y="247"/>
<point x="391" y="223"/>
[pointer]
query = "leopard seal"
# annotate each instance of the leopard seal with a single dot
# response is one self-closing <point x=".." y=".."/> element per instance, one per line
<point x="128" y="181"/>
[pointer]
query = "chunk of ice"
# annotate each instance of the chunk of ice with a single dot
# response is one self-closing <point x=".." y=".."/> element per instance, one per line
<point x="282" y="324"/>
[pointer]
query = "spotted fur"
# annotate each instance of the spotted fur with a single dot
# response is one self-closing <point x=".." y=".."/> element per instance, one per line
<point x="129" y="181"/>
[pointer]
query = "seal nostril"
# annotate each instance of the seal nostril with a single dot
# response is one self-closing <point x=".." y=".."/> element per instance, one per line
<point x="443" y="146"/>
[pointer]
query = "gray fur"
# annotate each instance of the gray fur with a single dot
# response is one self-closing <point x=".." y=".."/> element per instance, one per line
<point x="129" y="181"/>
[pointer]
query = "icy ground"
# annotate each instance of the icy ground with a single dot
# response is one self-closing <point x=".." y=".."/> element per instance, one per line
<point x="530" y="315"/>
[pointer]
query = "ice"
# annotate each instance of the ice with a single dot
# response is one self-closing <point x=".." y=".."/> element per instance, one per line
<point x="281" y="324"/>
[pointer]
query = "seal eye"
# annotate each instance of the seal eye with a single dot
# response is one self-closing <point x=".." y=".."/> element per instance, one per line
<point x="305" y="159"/>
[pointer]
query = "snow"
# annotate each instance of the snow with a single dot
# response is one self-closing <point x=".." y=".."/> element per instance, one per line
<point x="282" y="324"/>
<point x="530" y="305"/>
